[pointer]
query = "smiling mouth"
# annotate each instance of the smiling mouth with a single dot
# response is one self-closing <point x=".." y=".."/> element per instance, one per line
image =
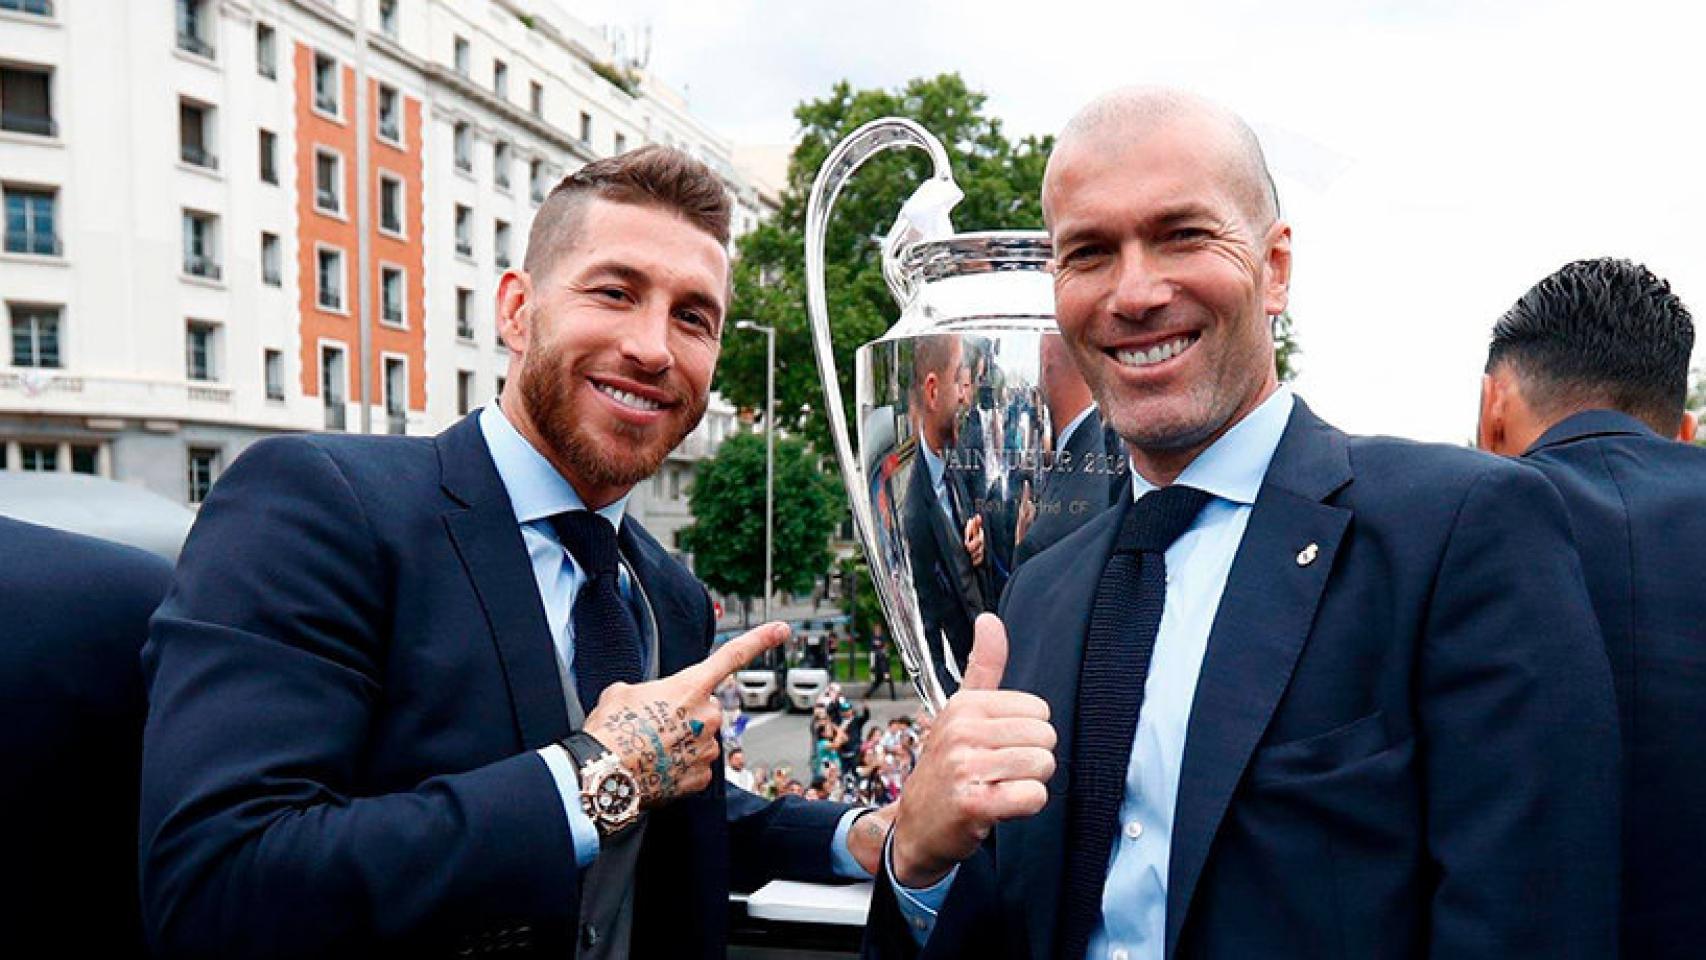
<point x="1156" y="354"/>
<point x="627" y="399"/>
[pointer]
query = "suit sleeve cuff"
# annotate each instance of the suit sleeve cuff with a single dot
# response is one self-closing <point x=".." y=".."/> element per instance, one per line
<point x="841" y="858"/>
<point x="918" y="907"/>
<point x="581" y="828"/>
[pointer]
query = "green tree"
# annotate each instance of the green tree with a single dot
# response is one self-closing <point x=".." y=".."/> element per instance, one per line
<point x="727" y="502"/>
<point x="1285" y="346"/>
<point x="1002" y="183"/>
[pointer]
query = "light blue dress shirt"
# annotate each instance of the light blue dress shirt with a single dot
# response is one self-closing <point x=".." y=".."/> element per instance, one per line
<point x="1134" y="897"/>
<point x="538" y="492"/>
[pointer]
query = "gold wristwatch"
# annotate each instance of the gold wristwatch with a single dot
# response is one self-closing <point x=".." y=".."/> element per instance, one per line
<point x="610" y="797"/>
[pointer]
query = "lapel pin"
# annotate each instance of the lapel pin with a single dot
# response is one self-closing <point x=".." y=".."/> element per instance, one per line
<point x="1307" y="555"/>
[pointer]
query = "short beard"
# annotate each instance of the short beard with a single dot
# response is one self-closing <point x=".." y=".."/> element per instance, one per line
<point x="553" y="414"/>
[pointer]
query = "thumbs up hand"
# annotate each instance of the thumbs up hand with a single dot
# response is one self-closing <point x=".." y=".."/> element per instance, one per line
<point x="988" y="759"/>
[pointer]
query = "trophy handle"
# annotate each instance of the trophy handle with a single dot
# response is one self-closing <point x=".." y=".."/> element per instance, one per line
<point x="888" y="133"/>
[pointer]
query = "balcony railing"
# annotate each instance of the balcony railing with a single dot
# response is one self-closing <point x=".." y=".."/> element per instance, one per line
<point x="326" y="200"/>
<point x="334" y="414"/>
<point x="465" y="164"/>
<point x="31" y="123"/>
<point x="502" y="181"/>
<point x="191" y="43"/>
<point x="464" y="331"/>
<point x="326" y="103"/>
<point x="201" y="266"/>
<point x="396" y="423"/>
<point x="37" y="242"/>
<point x="502" y="260"/>
<point x="267" y="70"/>
<point x="391" y="129"/>
<point x="41" y="8"/>
<point x="464" y="248"/>
<point x="199" y="156"/>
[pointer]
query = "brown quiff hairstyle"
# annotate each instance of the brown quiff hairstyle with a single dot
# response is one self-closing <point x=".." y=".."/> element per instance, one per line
<point x="652" y="176"/>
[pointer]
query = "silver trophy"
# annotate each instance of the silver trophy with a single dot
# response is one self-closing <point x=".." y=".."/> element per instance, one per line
<point x="978" y="443"/>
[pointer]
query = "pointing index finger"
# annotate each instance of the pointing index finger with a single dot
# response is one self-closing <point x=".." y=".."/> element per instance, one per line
<point x="734" y="655"/>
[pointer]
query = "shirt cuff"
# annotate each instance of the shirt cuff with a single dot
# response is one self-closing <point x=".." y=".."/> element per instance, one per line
<point x="841" y="859"/>
<point x="918" y="907"/>
<point x="581" y="827"/>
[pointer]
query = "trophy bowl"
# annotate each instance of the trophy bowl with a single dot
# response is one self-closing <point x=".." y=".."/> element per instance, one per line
<point x="978" y="444"/>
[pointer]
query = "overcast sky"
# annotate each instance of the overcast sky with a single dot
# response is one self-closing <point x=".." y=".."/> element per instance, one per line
<point x="1434" y="159"/>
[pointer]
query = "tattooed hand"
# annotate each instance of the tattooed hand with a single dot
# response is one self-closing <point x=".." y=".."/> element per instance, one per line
<point x="665" y="731"/>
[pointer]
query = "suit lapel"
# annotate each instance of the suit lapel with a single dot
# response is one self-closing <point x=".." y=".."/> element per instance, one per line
<point x="488" y="541"/>
<point x="1265" y="614"/>
<point x="1047" y="665"/>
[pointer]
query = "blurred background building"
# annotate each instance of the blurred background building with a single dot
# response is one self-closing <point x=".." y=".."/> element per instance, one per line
<point x="205" y="205"/>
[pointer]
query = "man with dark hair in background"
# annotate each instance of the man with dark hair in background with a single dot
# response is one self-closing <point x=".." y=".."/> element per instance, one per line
<point x="71" y="707"/>
<point x="438" y="695"/>
<point x="1586" y="379"/>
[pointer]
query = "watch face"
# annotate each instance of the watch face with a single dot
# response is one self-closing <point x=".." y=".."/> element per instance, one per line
<point x="616" y="794"/>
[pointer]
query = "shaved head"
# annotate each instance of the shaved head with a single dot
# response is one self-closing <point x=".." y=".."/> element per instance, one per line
<point x="1132" y="112"/>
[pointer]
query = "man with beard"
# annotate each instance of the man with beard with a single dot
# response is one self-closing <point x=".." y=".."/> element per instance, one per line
<point x="1587" y="379"/>
<point x="1299" y="694"/>
<point x="944" y="533"/>
<point x="423" y="696"/>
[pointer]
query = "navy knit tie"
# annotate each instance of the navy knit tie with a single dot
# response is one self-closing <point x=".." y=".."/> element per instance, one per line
<point x="1123" y="625"/>
<point x="607" y="640"/>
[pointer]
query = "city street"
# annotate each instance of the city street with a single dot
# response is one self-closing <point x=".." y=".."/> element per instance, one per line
<point x="782" y="737"/>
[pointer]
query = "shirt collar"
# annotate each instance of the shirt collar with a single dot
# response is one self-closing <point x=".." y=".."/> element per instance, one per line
<point x="536" y="490"/>
<point x="1065" y="437"/>
<point x="1233" y="466"/>
<point x="932" y="462"/>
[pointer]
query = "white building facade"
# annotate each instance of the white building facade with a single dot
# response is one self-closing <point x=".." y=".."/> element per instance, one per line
<point x="188" y="227"/>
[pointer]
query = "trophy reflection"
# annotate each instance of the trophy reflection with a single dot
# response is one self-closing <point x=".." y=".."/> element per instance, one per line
<point x="978" y="445"/>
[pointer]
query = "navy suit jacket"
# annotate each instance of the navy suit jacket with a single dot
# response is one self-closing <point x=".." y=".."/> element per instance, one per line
<point x="76" y="612"/>
<point x="1637" y="503"/>
<point x="347" y="685"/>
<point x="951" y="592"/>
<point x="1404" y="747"/>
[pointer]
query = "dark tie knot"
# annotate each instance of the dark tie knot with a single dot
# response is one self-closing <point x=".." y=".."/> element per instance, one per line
<point x="1159" y="517"/>
<point x="590" y="539"/>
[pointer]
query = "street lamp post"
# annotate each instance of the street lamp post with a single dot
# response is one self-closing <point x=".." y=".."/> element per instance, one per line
<point x="769" y="451"/>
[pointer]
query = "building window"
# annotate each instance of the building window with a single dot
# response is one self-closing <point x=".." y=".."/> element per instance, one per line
<point x="500" y="244"/>
<point x="390" y="114"/>
<point x="195" y="135"/>
<point x="333" y="383"/>
<point x="329" y="278"/>
<point x="388" y="18"/>
<point x="35" y="336"/>
<point x="269" y="157"/>
<point x="273" y="368"/>
<point x="193" y="30"/>
<point x="25" y="101"/>
<point x="266" y="52"/>
<point x="390" y="204"/>
<point x="201" y="245"/>
<point x="536" y="98"/>
<point x="464" y="391"/>
<point x="464" y="142"/>
<point x="675" y="483"/>
<point x="464" y="313"/>
<point x="200" y="345"/>
<point x="500" y="165"/>
<point x="500" y="79"/>
<point x="536" y="179"/>
<point x="326" y="97"/>
<point x="40" y="8"/>
<point x="271" y="261"/>
<point x="461" y="57"/>
<point x="203" y="467"/>
<point x="391" y="295"/>
<point x="464" y="231"/>
<point x="39" y="457"/>
<point x="328" y="182"/>
<point x="30" y="226"/>
<point x="586" y="128"/>
<point x="85" y="459"/>
<point x="396" y="394"/>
